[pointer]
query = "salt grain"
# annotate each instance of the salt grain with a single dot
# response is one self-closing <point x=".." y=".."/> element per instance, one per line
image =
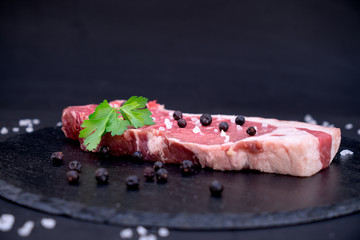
<point x="15" y="129"/>
<point x="141" y="230"/>
<point x="59" y="124"/>
<point x="196" y="129"/>
<point x="126" y="233"/>
<point x="223" y="134"/>
<point x="264" y="125"/>
<point x="29" y="129"/>
<point x="153" y="118"/>
<point x="161" y="129"/>
<point x="227" y="139"/>
<point x="6" y="222"/>
<point x="48" y="223"/>
<point x="308" y="118"/>
<point x="4" y="130"/>
<point x="163" y="232"/>
<point x="346" y="152"/>
<point x="358" y="131"/>
<point x="325" y="124"/>
<point x="26" y="229"/>
<point x="349" y="126"/>
<point x="216" y="130"/>
<point x="25" y="122"/>
<point x="36" y="121"/>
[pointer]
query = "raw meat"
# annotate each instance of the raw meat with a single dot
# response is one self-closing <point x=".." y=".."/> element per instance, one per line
<point x="285" y="147"/>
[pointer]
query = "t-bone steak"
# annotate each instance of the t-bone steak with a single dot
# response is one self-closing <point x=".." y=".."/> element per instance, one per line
<point x="285" y="147"/>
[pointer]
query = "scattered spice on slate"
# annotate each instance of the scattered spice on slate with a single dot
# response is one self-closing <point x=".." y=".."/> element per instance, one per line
<point x="223" y="126"/>
<point x="240" y="120"/>
<point x="177" y="115"/>
<point x="216" y="188"/>
<point x="251" y="131"/>
<point x="75" y="165"/>
<point x="101" y="175"/>
<point x="138" y="155"/>
<point x="132" y="182"/>
<point x="182" y="123"/>
<point x="162" y="175"/>
<point x="72" y="176"/>
<point x="149" y="174"/>
<point x="158" y="165"/>
<point x="187" y="167"/>
<point x="206" y="119"/>
<point x="57" y="157"/>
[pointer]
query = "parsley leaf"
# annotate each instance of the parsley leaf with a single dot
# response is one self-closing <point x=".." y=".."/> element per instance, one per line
<point x="114" y="120"/>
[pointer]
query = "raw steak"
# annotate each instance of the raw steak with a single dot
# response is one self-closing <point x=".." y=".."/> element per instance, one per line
<point x="285" y="147"/>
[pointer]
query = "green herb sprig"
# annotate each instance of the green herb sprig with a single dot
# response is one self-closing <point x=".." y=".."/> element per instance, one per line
<point x="106" y="119"/>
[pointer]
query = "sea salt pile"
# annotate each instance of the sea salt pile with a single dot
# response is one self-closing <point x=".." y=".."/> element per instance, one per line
<point x="26" y="229"/>
<point x="349" y="126"/>
<point x="48" y="223"/>
<point x="309" y="119"/>
<point x="126" y="233"/>
<point x="6" y="222"/>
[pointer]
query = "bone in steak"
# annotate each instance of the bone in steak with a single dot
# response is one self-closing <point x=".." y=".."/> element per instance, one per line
<point x="285" y="147"/>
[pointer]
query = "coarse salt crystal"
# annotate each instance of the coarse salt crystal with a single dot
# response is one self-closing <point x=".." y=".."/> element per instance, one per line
<point x="48" y="223"/>
<point x="153" y="118"/>
<point x="59" y="124"/>
<point x="358" y="131"/>
<point x="6" y="222"/>
<point x="264" y="125"/>
<point x="36" y="121"/>
<point x="216" y="130"/>
<point x="24" y="122"/>
<point x="29" y="129"/>
<point x="346" y="152"/>
<point x="161" y="129"/>
<point x="26" y="229"/>
<point x="325" y="123"/>
<point x="349" y="126"/>
<point x="223" y="134"/>
<point x="238" y="127"/>
<point x="313" y="122"/>
<point x="163" y="232"/>
<point x="141" y="230"/>
<point x="227" y="139"/>
<point x="308" y="118"/>
<point x="126" y="233"/>
<point x="15" y="129"/>
<point x="4" y="130"/>
<point x="148" y="237"/>
<point x="196" y="129"/>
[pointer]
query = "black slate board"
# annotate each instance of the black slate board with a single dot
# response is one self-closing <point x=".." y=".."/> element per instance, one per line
<point x="250" y="199"/>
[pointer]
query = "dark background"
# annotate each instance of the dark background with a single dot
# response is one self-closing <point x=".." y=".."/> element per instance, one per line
<point x="279" y="59"/>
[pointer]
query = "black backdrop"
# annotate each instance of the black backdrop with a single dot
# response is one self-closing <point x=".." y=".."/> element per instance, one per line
<point x="267" y="58"/>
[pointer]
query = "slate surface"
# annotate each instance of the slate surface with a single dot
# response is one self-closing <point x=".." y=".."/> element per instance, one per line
<point x="250" y="200"/>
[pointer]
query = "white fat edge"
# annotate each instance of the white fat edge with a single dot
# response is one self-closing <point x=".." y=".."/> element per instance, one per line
<point x="168" y="123"/>
<point x="137" y="141"/>
<point x="233" y="119"/>
<point x="156" y="144"/>
<point x="6" y="222"/>
<point x="26" y="229"/>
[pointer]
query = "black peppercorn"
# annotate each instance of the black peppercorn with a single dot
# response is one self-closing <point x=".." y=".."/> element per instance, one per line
<point x="206" y="119"/>
<point x="75" y="165"/>
<point x="216" y="188"/>
<point x="177" y="115"/>
<point x="187" y="167"/>
<point x="162" y="175"/>
<point x="251" y="131"/>
<point x="57" y="157"/>
<point x="182" y="123"/>
<point x="158" y="165"/>
<point x="240" y="120"/>
<point x="132" y="182"/>
<point x="223" y="126"/>
<point x="101" y="175"/>
<point x="72" y="176"/>
<point x="104" y="151"/>
<point x="149" y="174"/>
<point x="138" y="155"/>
